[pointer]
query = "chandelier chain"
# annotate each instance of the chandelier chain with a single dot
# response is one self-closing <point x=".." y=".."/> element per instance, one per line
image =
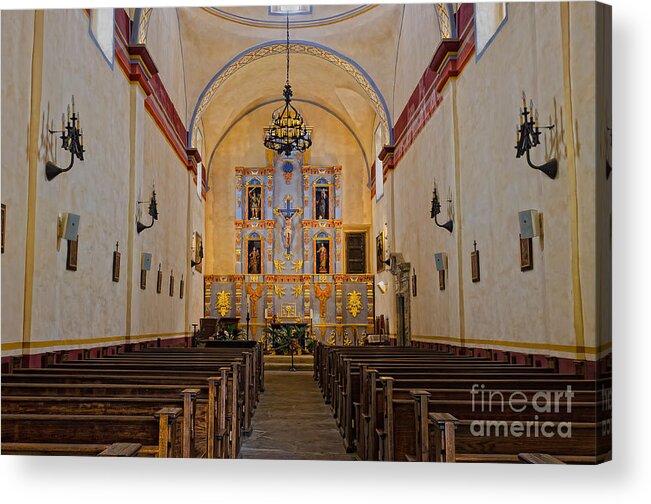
<point x="287" y="48"/>
<point x="287" y="131"/>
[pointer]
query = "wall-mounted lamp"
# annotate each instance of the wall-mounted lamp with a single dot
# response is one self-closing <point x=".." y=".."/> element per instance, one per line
<point x="72" y="140"/>
<point x="382" y="286"/>
<point x="436" y="210"/>
<point x="153" y="212"/>
<point x="197" y="252"/>
<point x="528" y="136"/>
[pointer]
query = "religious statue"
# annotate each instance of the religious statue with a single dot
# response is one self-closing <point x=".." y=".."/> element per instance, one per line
<point x="287" y="233"/>
<point x="254" y="261"/>
<point x="322" y="254"/>
<point x="322" y="204"/>
<point x="254" y="203"/>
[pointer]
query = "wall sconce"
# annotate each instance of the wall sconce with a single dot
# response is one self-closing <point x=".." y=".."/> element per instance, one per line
<point x="436" y="210"/>
<point x="528" y="136"/>
<point x="197" y="252"/>
<point x="72" y="140"/>
<point x="153" y="212"/>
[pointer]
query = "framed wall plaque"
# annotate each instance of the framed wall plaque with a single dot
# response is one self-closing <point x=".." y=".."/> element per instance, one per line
<point x="116" y="266"/>
<point x="4" y="216"/>
<point x="71" y="258"/>
<point x="474" y="265"/>
<point x="526" y="255"/>
<point x="414" y="285"/>
<point x="379" y="252"/>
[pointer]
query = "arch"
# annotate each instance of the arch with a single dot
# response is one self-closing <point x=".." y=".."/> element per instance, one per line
<point x="445" y="15"/>
<point x="297" y="47"/>
<point x="300" y="100"/>
<point x="140" y="25"/>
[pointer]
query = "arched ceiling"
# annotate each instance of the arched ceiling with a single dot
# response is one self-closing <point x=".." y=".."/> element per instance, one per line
<point x="345" y="63"/>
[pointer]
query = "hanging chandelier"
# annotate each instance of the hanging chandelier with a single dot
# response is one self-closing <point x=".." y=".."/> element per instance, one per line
<point x="287" y="131"/>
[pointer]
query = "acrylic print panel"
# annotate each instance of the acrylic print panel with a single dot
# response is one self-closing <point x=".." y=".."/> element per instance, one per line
<point x="398" y="99"/>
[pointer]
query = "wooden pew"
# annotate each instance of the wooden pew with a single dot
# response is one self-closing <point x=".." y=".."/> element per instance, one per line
<point x="152" y="371"/>
<point x="158" y="433"/>
<point x="121" y="450"/>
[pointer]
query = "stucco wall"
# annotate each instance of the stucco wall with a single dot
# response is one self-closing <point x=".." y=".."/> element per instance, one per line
<point x="16" y="70"/>
<point x="125" y="153"/>
<point x="164" y="45"/>
<point x="552" y="308"/>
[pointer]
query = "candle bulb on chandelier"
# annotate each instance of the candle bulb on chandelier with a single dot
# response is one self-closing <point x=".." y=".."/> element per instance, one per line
<point x="73" y="104"/>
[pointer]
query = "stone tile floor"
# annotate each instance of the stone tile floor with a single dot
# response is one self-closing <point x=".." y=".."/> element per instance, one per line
<point x="292" y="422"/>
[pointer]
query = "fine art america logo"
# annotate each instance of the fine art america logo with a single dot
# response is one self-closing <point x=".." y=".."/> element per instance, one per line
<point x="547" y="402"/>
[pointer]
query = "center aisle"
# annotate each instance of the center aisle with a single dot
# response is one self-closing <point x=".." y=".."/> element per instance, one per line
<point x="292" y="422"/>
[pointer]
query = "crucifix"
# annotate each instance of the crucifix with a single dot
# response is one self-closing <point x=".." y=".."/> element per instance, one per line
<point x="287" y="214"/>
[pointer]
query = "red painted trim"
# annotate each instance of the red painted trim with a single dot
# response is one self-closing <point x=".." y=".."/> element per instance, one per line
<point x="569" y="366"/>
<point x="138" y="66"/>
<point x="39" y="360"/>
<point x="448" y="61"/>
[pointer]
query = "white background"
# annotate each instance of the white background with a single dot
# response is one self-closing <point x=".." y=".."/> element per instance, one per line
<point x="626" y="479"/>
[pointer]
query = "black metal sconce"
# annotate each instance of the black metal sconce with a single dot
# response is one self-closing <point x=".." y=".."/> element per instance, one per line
<point x="153" y="212"/>
<point x="528" y="136"/>
<point x="436" y="210"/>
<point x="194" y="263"/>
<point x="72" y="140"/>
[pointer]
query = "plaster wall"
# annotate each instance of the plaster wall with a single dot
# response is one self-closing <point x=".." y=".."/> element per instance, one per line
<point x="125" y="152"/>
<point x="17" y="43"/>
<point x="419" y="37"/>
<point x="551" y="308"/>
<point x="165" y="46"/>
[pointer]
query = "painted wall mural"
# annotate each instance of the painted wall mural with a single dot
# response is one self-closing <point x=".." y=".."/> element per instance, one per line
<point x="288" y="250"/>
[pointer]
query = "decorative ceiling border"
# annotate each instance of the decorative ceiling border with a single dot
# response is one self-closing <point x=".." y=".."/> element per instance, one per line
<point x="297" y="47"/>
<point x="296" y="23"/>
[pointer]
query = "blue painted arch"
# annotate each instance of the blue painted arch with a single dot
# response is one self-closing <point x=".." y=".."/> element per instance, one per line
<point x="227" y="66"/>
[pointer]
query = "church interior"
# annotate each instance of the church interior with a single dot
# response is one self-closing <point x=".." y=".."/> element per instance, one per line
<point x="345" y="215"/>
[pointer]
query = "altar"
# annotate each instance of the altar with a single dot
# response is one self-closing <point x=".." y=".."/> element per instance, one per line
<point x="289" y="254"/>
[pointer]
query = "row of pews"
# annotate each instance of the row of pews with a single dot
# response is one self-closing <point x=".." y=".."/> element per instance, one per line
<point x="154" y="402"/>
<point x="412" y="404"/>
